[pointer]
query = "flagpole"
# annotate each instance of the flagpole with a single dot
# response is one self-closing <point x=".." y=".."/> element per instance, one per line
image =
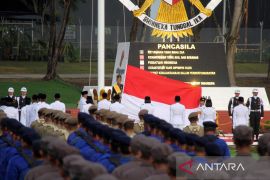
<point x="101" y="44"/>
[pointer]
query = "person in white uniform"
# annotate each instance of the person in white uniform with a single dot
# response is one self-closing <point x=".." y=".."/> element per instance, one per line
<point x="10" y="108"/>
<point x="117" y="106"/>
<point x="177" y="114"/>
<point x="89" y="103"/>
<point x="104" y="103"/>
<point x="83" y="100"/>
<point x="57" y="104"/>
<point x="43" y="103"/>
<point x="32" y="111"/>
<point x="208" y="113"/>
<point x="240" y="114"/>
<point x="148" y="105"/>
<point x="199" y="110"/>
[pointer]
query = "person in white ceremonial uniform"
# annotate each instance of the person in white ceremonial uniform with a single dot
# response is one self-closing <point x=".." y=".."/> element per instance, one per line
<point x="148" y="105"/>
<point x="200" y="109"/>
<point x="104" y="103"/>
<point x="240" y="114"/>
<point x="177" y="114"/>
<point x="117" y="106"/>
<point x="208" y="113"/>
<point x="57" y="104"/>
<point x="42" y="103"/>
<point x="32" y="111"/>
<point x="89" y="103"/>
<point x="10" y="108"/>
<point x="83" y="100"/>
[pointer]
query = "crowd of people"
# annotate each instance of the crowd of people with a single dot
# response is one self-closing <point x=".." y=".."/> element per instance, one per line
<point x="24" y="108"/>
<point x="41" y="141"/>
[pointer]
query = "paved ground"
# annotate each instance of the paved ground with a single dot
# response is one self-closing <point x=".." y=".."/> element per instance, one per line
<point x="76" y="76"/>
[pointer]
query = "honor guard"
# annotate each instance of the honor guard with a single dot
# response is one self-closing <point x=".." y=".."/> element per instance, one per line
<point x="11" y="93"/>
<point x="240" y="114"/>
<point x="117" y="87"/>
<point x="104" y="103"/>
<point x="57" y="104"/>
<point x="117" y="106"/>
<point x="233" y="103"/>
<point x="255" y="105"/>
<point x="23" y="101"/>
<point x="147" y="105"/>
<point x="177" y="113"/>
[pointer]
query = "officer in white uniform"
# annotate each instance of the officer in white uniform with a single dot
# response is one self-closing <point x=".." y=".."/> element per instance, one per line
<point x="32" y="111"/>
<point x="147" y="105"/>
<point x="57" y="104"/>
<point x="240" y="114"/>
<point x="104" y="103"/>
<point x="208" y="113"/>
<point x="177" y="114"/>
<point x="200" y="109"/>
<point x="9" y="108"/>
<point x="117" y="106"/>
<point x="42" y="103"/>
<point x="83" y="100"/>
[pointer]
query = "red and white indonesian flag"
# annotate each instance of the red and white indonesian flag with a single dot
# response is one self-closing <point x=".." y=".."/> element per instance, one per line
<point x="162" y="90"/>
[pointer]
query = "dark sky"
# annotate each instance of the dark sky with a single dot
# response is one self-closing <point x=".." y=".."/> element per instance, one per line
<point x="258" y="10"/>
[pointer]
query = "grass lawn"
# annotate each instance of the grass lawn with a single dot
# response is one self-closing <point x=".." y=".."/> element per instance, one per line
<point x="251" y="68"/>
<point x="33" y="67"/>
<point x="70" y="94"/>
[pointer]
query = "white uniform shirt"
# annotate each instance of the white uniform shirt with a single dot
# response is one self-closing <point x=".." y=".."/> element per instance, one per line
<point x="82" y="102"/>
<point x="177" y="115"/>
<point x="11" y="112"/>
<point x="43" y="105"/>
<point x="24" y="114"/>
<point x="104" y="104"/>
<point x="117" y="107"/>
<point x="32" y="113"/>
<point x="149" y="107"/>
<point x="240" y="115"/>
<point x="208" y="114"/>
<point x="57" y="105"/>
<point x="86" y="108"/>
<point x="200" y="109"/>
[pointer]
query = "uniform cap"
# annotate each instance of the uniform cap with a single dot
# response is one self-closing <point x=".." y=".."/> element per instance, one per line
<point x="93" y="107"/>
<point x="237" y="91"/>
<point x="11" y="89"/>
<point x="255" y="90"/>
<point x="209" y="124"/>
<point x="160" y="152"/>
<point x="71" y="121"/>
<point x="23" y="89"/>
<point x="143" y="112"/>
<point x="193" y="115"/>
<point x="177" y="158"/>
<point x="92" y="170"/>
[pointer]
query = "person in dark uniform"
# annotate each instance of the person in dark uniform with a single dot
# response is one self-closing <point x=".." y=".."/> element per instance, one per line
<point x="23" y="100"/>
<point x="117" y="87"/>
<point x="255" y="105"/>
<point x="233" y="103"/>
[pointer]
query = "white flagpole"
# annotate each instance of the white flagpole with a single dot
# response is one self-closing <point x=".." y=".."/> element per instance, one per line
<point x="101" y="44"/>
